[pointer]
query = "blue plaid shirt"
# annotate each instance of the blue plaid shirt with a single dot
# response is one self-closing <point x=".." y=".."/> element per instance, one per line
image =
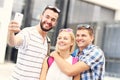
<point x="94" y="57"/>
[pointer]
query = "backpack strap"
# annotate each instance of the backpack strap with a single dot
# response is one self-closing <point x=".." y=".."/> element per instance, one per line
<point x="74" y="60"/>
<point x="48" y="42"/>
<point x="50" y="61"/>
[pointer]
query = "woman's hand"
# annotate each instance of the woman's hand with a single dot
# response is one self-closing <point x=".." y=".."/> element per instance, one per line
<point x="54" y="53"/>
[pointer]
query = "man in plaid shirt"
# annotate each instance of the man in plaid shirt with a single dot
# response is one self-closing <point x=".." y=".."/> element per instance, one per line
<point x="91" y="64"/>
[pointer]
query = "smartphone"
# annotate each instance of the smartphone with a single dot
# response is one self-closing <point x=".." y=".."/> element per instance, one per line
<point x="18" y="18"/>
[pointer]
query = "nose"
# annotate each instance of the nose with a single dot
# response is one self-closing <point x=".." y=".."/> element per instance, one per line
<point x="78" y="36"/>
<point x="49" y="20"/>
<point x="61" y="40"/>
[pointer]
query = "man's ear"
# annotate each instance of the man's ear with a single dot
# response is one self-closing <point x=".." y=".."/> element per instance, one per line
<point x="92" y="39"/>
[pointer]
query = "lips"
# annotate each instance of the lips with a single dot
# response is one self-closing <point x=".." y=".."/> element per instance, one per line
<point x="80" y="41"/>
<point x="61" y="44"/>
<point x="48" y="25"/>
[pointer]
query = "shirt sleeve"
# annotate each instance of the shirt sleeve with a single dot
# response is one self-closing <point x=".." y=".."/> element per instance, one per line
<point x="24" y="35"/>
<point x="93" y="58"/>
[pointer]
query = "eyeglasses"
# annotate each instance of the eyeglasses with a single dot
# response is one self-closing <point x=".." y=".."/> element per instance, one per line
<point x="66" y="30"/>
<point x="84" y="25"/>
<point x="53" y="7"/>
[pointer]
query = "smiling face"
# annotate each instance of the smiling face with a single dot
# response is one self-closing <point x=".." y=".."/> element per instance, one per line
<point x="83" y="38"/>
<point x="65" y="41"/>
<point x="48" y="20"/>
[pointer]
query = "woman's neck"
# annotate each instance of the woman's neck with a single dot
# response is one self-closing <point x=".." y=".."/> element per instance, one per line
<point x="64" y="54"/>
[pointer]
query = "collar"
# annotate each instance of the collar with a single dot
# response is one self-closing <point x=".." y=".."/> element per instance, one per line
<point x="88" y="48"/>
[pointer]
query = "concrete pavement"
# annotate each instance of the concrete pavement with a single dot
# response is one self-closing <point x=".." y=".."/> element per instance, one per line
<point x="6" y="70"/>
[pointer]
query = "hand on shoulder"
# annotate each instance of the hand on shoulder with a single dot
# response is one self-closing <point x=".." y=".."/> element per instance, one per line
<point x="54" y="53"/>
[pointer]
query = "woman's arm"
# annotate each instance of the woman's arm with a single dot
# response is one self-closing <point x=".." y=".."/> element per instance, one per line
<point x="44" y="70"/>
<point x="77" y="77"/>
<point x="70" y="70"/>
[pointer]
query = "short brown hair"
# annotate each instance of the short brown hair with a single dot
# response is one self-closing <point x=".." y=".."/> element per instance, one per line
<point x="89" y="28"/>
<point x="53" y="8"/>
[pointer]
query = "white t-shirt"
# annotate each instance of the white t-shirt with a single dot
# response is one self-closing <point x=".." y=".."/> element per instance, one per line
<point x="31" y="54"/>
<point x="54" y="73"/>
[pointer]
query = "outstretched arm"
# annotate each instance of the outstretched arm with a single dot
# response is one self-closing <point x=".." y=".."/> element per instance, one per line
<point x="13" y="28"/>
<point x="44" y="70"/>
<point x="70" y="70"/>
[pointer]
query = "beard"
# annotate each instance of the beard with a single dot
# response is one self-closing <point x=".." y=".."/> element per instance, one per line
<point x="41" y="25"/>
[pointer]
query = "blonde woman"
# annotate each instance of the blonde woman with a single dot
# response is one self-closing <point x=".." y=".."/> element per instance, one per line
<point x="64" y="46"/>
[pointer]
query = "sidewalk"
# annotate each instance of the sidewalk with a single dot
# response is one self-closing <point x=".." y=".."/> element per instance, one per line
<point x="7" y="67"/>
<point x="6" y="70"/>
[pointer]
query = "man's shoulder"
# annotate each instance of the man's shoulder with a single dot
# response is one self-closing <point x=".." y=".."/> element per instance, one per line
<point x="28" y="28"/>
<point x="97" y="50"/>
<point x="93" y="47"/>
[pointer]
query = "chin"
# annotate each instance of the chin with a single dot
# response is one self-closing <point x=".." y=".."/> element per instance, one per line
<point x="80" y="46"/>
<point x="62" y="49"/>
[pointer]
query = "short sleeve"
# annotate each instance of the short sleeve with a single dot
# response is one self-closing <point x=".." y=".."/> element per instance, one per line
<point x="24" y="35"/>
<point x="93" y="58"/>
